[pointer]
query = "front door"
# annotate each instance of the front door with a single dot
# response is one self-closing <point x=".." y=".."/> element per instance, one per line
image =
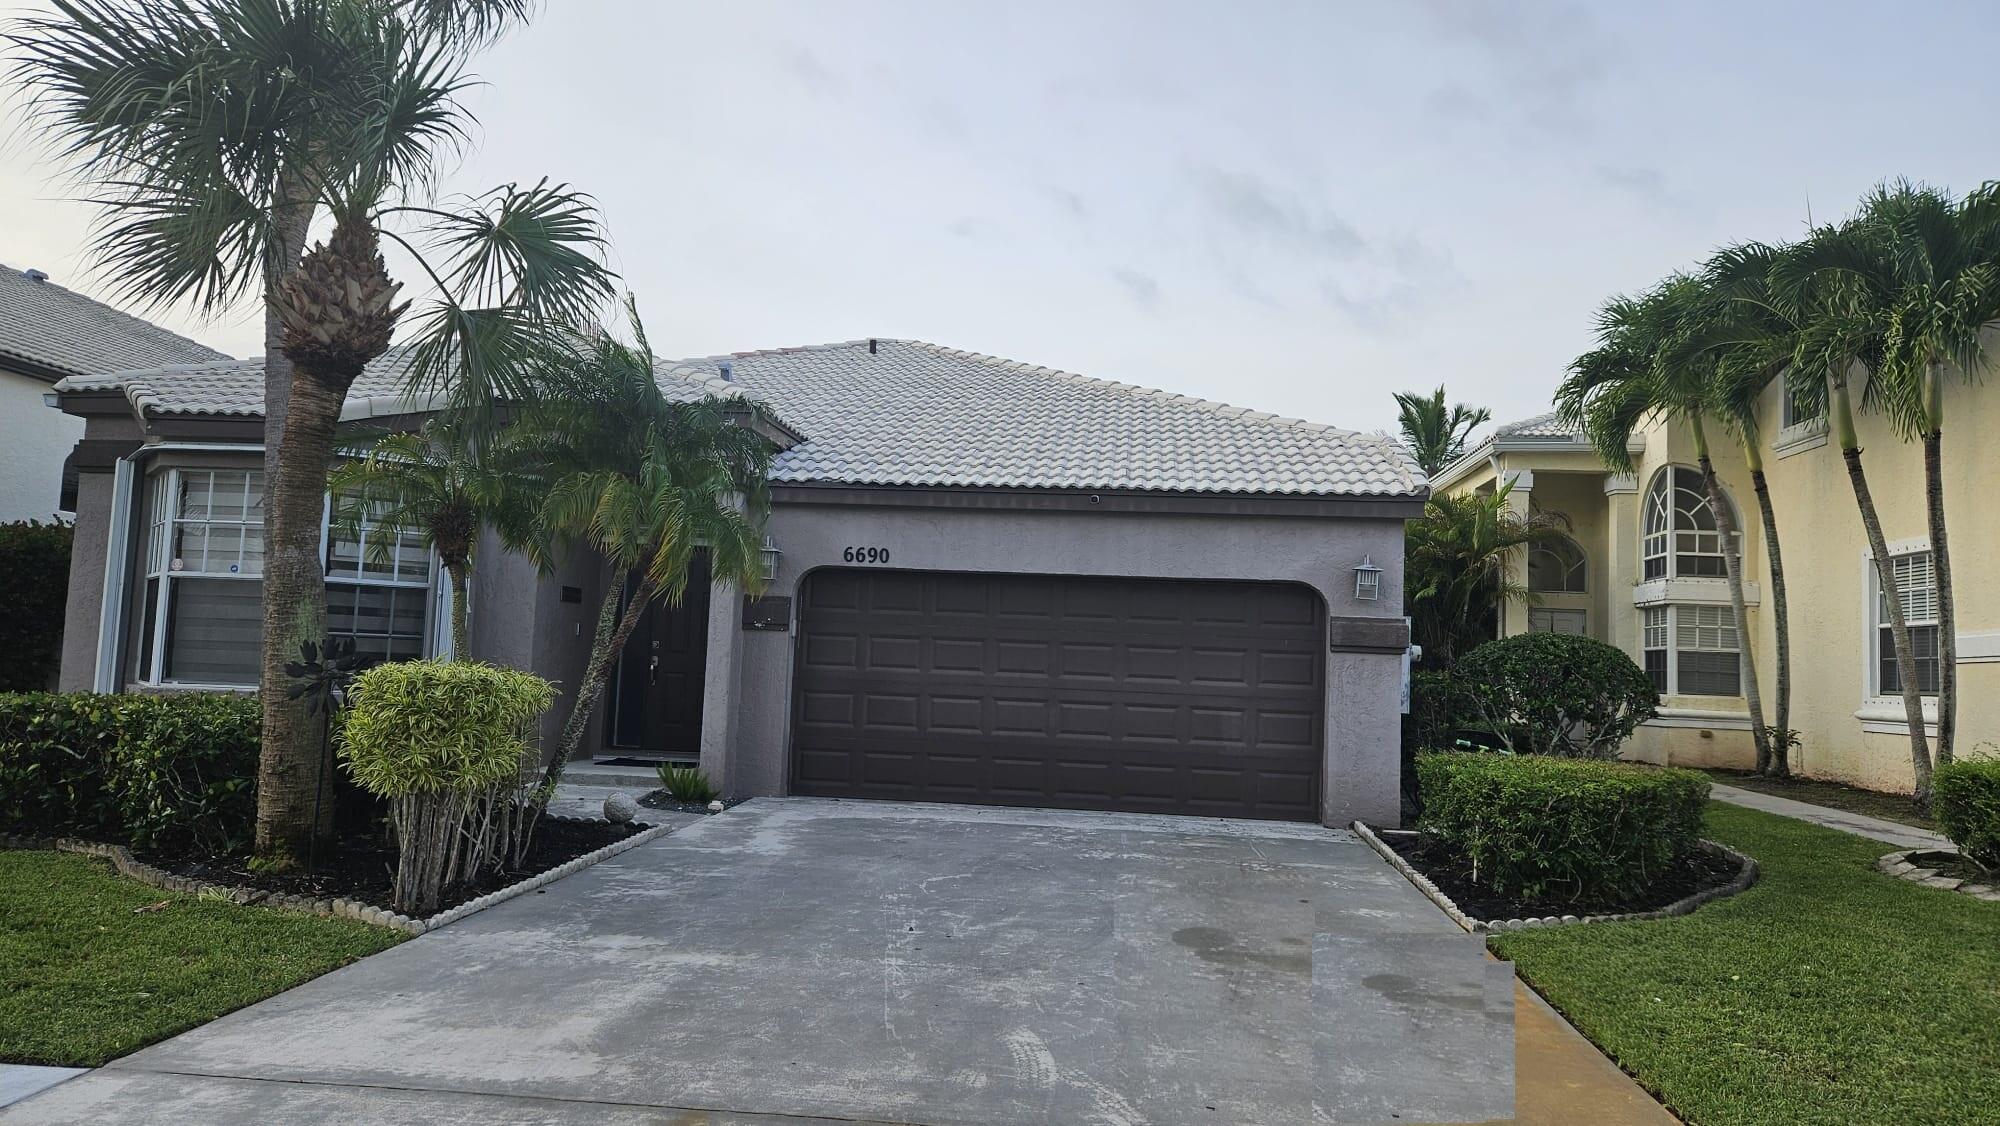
<point x="657" y="695"/>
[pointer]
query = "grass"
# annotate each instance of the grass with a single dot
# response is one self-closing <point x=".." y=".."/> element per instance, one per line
<point x="90" y="969"/>
<point x="1827" y="993"/>
<point x="1833" y="795"/>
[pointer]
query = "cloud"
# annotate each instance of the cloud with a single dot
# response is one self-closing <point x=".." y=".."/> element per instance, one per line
<point x="1142" y="288"/>
<point x="811" y="73"/>
<point x="1069" y="202"/>
<point x="1545" y="59"/>
<point x="1267" y="213"/>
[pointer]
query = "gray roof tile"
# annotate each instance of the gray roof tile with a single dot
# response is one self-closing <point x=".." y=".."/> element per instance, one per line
<point x="1540" y="426"/>
<point x="47" y="325"/>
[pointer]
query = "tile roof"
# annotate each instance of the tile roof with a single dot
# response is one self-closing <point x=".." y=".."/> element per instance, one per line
<point x="1540" y="426"/>
<point x="51" y="327"/>
<point x="911" y="413"/>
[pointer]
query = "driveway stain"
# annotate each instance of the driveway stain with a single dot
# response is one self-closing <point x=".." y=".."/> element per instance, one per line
<point x="1218" y="947"/>
<point x="1403" y="991"/>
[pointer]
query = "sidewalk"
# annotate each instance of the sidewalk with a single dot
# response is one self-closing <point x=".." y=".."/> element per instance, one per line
<point x="1892" y="832"/>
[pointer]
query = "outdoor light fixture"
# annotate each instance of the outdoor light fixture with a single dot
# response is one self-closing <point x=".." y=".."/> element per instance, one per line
<point x="771" y="556"/>
<point x="1367" y="580"/>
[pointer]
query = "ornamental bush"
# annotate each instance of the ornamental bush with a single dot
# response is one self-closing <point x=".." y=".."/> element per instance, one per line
<point x="444" y="742"/>
<point x="159" y="773"/>
<point x="34" y="558"/>
<point x="1556" y="694"/>
<point x="1530" y="826"/>
<point x="1966" y="802"/>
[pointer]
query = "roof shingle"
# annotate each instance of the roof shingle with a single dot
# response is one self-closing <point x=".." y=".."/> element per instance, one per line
<point x="55" y="328"/>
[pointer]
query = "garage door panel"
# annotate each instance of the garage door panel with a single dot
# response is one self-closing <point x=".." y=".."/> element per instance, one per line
<point x="1153" y="696"/>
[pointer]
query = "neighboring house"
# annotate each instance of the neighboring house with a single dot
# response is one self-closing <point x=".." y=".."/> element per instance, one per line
<point x="1644" y="571"/>
<point x="991" y="583"/>
<point x="48" y="333"/>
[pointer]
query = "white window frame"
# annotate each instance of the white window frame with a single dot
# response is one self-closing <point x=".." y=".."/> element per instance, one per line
<point x="1542" y="619"/>
<point x="422" y="588"/>
<point x="1575" y="564"/>
<point x="1668" y="629"/>
<point x="1662" y="536"/>
<point x="1875" y="621"/>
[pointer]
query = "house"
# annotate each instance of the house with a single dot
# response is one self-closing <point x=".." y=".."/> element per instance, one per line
<point x="1642" y="569"/>
<point x="990" y="583"/>
<point x="48" y="333"/>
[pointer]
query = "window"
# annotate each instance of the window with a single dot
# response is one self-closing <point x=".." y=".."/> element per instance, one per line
<point x="1546" y="620"/>
<point x="1916" y="586"/>
<point x="198" y="616"/>
<point x="1556" y="567"/>
<point x="1692" y="650"/>
<point x="1681" y="536"/>
<point x="1794" y="412"/>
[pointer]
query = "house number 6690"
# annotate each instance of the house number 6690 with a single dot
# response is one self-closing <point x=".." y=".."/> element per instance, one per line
<point x="865" y="555"/>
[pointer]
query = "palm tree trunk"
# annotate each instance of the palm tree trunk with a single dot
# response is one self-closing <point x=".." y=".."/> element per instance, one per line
<point x="612" y="631"/>
<point x="457" y="572"/>
<point x="1947" y="703"/>
<point x="1732" y="565"/>
<point x="1779" y="765"/>
<point x="294" y="776"/>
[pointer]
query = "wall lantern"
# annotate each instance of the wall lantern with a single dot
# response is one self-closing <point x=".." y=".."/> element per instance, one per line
<point x="1367" y="580"/>
<point x="771" y="556"/>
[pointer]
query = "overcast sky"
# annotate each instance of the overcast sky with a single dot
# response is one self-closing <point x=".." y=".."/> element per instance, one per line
<point x="1294" y="207"/>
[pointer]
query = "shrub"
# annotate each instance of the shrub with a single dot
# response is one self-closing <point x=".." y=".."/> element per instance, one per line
<point x="1966" y="801"/>
<point x="34" y="557"/>
<point x="155" y="772"/>
<point x="1533" y="827"/>
<point x="444" y="742"/>
<point x="687" y="784"/>
<point x="1556" y="694"/>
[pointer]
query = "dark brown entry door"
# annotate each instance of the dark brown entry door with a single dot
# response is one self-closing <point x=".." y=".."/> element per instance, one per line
<point x="660" y="675"/>
<point x="1147" y="695"/>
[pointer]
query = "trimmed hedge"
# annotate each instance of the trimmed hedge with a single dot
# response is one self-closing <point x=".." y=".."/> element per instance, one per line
<point x="34" y="557"/>
<point x="153" y="772"/>
<point x="1966" y="802"/>
<point x="1555" y="694"/>
<point x="1531" y="826"/>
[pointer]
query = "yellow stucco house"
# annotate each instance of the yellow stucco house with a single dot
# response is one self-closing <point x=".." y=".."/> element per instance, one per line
<point x="1644" y="571"/>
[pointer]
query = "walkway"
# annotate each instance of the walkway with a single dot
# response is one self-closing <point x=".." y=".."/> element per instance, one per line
<point x="1861" y="825"/>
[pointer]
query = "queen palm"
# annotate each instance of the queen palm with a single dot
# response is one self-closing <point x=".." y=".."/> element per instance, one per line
<point x="1454" y="567"/>
<point x="1642" y="369"/>
<point x="442" y="483"/>
<point x="215" y="133"/>
<point x="644" y="481"/>
<point x="1436" y="433"/>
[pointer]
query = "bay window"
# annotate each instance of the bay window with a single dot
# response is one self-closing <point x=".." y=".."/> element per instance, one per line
<point x="1692" y="650"/>
<point x="1681" y="537"/>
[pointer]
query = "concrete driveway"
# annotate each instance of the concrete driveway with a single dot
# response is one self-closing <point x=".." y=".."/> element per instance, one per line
<point x="800" y="959"/>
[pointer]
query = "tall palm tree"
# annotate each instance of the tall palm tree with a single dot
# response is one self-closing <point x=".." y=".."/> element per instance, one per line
<point x="645" y="481"/>
<point x="442" y="484"/>
<point x="215" y="133"/>
<point x="1640" y="370"/>
<point x="1436" y="434"/>
<point x="1454" y="568"/>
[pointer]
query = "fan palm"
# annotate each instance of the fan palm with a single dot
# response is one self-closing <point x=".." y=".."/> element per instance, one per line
<point x="644" y="481"/>
<point x="1455" y="568"/>
<point x="214" y="133"/>
<point x="441" y="485"/>
<point x="1436" y="434"/>
<point x="1640" y="369"/>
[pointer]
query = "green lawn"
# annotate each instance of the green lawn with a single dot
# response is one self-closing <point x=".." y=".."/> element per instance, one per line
<point x="1833" y="795"/>
<point x="85" y="976"/>
<point x="1826" y="993"/>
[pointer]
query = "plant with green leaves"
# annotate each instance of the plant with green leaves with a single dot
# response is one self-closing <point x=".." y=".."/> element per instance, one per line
<point x="214" y="134"/>
<point x="1436" y="433"/>
<point x="1556" y="694"/>
<point x="35" y="558"/>
<point x="443" y="743"/>
<point x="441" y="483"/>
<point x="1968" y="808"/>
<point x="687" y="784"/>
<point x="1455" y="577"/>
<point x="1640" y="371"/>
<point x="643" y="481"/>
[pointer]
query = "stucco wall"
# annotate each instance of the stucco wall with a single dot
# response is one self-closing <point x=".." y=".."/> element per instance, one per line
<point x="1362" y="722"/>
<point x="34" y="440"/>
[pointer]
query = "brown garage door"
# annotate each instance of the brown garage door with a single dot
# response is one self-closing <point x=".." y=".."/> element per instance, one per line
<point x="1130" y="694"/>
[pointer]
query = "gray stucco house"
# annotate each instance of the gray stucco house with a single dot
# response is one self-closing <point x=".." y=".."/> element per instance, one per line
<point x="991" y="583"/>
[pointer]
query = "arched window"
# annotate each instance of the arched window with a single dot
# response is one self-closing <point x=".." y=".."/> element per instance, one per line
<point x="1681" y="539"/>
<point x="1556" y="567"/>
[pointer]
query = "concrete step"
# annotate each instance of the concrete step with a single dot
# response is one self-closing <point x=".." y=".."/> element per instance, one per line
<point x="640" y="778"/>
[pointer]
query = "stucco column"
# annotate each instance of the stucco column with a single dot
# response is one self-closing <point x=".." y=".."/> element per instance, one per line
<point x="1621" y="562"/>
<point x="1514" y="613"/>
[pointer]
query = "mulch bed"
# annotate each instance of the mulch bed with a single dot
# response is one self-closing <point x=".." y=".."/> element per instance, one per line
<point x="660" y="799"/>
<point x="1453" y="876"/>
<point x="363" y="867"/>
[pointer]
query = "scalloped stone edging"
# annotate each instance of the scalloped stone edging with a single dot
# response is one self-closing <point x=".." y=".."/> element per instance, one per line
<point x="1910" y="864"/>
<point x="1746" y="874"/>
<point x="127" y="865"/>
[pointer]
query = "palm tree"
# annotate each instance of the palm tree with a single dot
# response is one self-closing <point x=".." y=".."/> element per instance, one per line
<point x="214" y="133"/>
<point x="1640" y="370"/>
<point x="1454" y="568"/>
<point x="645" y="481"/>
<point x="442" y="485"/>
<point x="1436" y="434"/>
